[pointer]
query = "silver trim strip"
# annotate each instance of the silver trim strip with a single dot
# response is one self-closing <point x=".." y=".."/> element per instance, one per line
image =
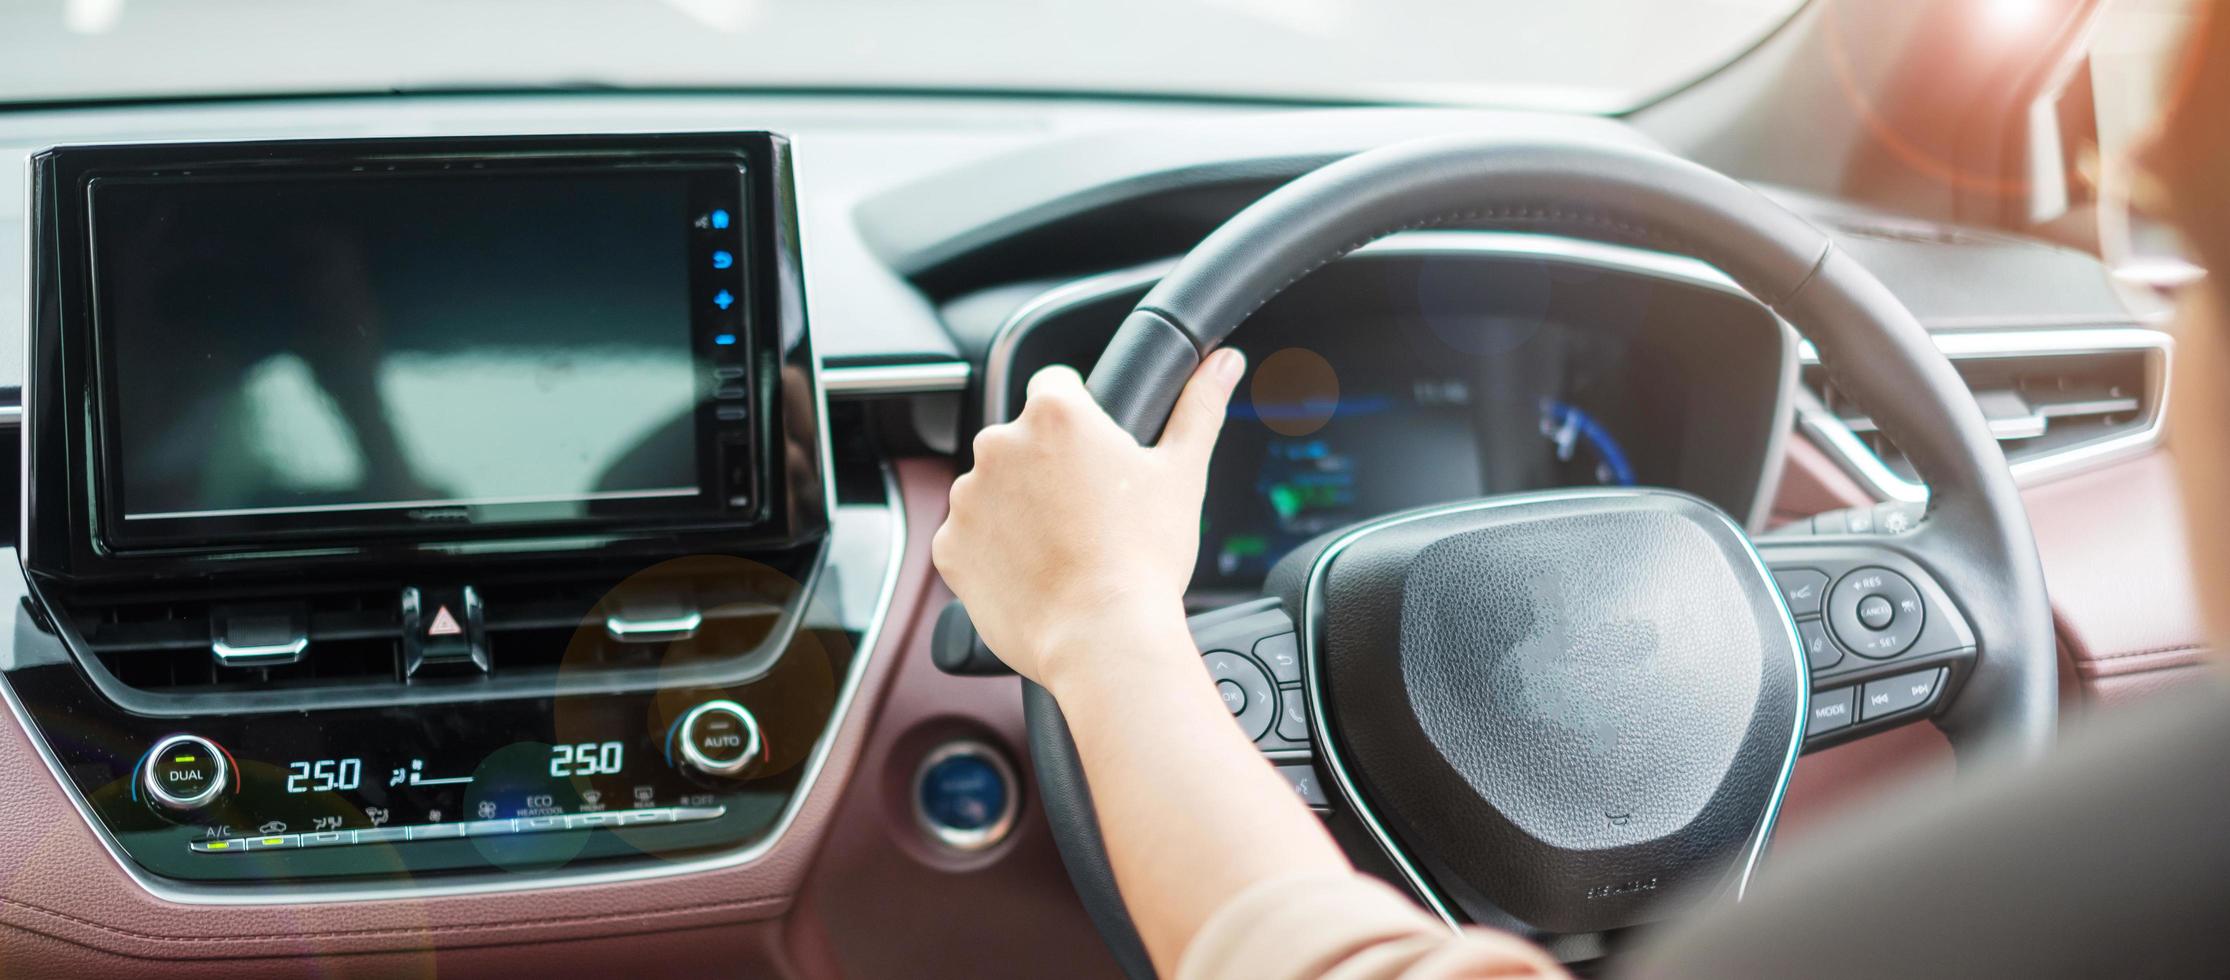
<point x="663" y="629"/>
<point x="960" y="839"/>
<point x="896" y="379"/>
<point x="258" y="655"/>
<point x="195" y="893"/>
<point x="1860" y="461"/>
<point x="1311" y="627"/>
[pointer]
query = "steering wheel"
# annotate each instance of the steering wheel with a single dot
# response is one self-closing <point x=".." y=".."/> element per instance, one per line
<point x="1575" y="711"/>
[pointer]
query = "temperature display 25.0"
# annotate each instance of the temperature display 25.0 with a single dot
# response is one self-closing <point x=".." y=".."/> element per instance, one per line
<point x="587" y="759"/>
<point x="324" y="775"/>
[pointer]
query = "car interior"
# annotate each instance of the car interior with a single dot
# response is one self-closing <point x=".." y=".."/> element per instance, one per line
<point x="479" y="461"/>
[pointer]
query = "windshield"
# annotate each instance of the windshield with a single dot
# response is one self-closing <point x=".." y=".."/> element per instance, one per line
<point x="1582" y="55"/>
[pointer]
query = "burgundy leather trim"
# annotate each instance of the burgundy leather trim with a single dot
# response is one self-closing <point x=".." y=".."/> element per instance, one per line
<point x="2116" y="558"/>
<point x="1811" y="483"/>
<point x="66" y="907"/>
<point x="891" y="900"/>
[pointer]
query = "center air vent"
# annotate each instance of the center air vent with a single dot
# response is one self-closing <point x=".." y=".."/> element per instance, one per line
<point x="354" y="637"/>
<point x="2051" y="399"/>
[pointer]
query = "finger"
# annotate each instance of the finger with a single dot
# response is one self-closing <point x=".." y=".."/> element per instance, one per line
<point x="1055" y="388"/>
<point x="1198" y="417"/>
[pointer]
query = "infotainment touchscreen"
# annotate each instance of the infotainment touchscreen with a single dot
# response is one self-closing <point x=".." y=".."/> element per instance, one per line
<point x="310" y="354"/>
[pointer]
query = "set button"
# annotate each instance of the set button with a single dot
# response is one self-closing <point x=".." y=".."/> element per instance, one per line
<point x="1876" y="613"/>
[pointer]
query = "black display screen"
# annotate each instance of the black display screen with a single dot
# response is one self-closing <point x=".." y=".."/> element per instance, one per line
<point x="1340" y="421"/>
<point x="339" y="352"/>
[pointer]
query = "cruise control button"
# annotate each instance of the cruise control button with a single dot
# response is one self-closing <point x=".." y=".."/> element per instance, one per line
<point x="1234" y="696"/>
<point x="1830" y="710"/>
<point x="1293" y="721"/>
<point x="1875" y="612"/>
<point x="1803" y="588"/>
<point x="1304" y="782"/>
<point x="1820" y="651"/>
<point x="1283" y="655"/>
<point x="1856" y="631"/>
<point x="1901" y="693"/>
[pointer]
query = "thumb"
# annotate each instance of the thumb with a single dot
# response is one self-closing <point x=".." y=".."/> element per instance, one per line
<point x="1198" y="417"/>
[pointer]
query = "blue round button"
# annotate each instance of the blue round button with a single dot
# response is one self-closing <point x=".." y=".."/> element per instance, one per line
<point x="966" y="796"/>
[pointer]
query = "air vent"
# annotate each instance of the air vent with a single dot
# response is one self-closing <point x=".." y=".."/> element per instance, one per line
<point x="355" y="637"/>
<point x="2051" y="399"/>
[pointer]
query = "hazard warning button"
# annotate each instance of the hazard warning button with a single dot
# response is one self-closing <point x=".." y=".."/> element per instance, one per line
<point x="443" y="630"/>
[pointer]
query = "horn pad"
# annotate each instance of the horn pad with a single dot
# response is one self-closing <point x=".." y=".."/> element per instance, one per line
<point x="1576" y="705"/>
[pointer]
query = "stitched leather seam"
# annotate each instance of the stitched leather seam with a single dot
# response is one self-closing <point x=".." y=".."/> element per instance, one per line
<point x="482" y="928"/>
<point x="2124" y="654"/>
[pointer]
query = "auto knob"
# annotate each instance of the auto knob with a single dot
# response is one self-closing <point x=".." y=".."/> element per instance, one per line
<point x="720" y="738"/>
<point x="183" y="772"/>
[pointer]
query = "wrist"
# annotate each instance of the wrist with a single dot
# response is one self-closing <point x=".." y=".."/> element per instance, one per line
<point x="1114" y="645"/>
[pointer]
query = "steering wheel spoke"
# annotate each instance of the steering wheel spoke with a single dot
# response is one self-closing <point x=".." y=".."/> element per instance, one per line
<point x="1253" y="656"/>
<point x="1885" y="642"/>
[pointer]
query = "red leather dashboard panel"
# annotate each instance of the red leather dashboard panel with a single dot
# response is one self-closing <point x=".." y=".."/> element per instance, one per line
<point x="2116" y="558"/>
<point x="66" y="907"/>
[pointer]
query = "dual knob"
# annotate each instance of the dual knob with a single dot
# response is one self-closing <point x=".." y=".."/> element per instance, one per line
<point x="184" y="772"/>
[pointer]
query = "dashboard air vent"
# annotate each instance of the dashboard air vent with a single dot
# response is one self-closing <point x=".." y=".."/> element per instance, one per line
<point x="2042" y="405"/>
<point x="354" y="637"/>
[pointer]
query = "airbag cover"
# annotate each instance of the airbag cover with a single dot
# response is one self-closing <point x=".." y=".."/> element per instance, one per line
<point x="1576" y="704"/>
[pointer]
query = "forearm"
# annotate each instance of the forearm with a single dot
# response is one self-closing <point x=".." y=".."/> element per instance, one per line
<point x="1191" y="812"/>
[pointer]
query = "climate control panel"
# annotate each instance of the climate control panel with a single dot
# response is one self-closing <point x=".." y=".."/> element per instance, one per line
<point x="514" y="785"/>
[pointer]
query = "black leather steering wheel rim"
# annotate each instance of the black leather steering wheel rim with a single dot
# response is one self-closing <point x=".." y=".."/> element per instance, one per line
<point x="1976" y="534"/>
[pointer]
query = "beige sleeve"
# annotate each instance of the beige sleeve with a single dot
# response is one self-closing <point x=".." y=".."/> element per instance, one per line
<point x="1349" y="927"/>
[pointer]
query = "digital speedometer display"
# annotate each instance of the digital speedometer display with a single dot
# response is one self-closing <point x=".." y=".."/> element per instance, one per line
<point x="1339" y="422"/>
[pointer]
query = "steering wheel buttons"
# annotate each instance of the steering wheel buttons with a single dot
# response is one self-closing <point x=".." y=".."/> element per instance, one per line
<point x="1255" y="703"/>
<point x="1820" y="651"/>
<point x="1901" y="693"/>
<point x="1831" y="710"/>
<point x="1293" y="716"/>
<point x="1302" y="778"/>
<point x="1803" y="588"/>
<point x="1875" y="612"/>
<point x="1283" y="655"/>
<point x="1234" y="696"/>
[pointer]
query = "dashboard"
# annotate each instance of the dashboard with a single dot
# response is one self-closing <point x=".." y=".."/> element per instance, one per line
<point x="946" y="248"/>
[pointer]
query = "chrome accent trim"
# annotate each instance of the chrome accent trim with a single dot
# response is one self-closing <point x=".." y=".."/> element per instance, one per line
<point x="155" y="789"/>
<point x="957" y="838"/>
<point x="753" y="742"/>
<point x="481" y="883"/>
<point x="897" y="379"/>
<point x="1860" y="461"/>
<point x="259" y="655"/>
<point x="660" y="630"/>
<point x="1312" y="653"/>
